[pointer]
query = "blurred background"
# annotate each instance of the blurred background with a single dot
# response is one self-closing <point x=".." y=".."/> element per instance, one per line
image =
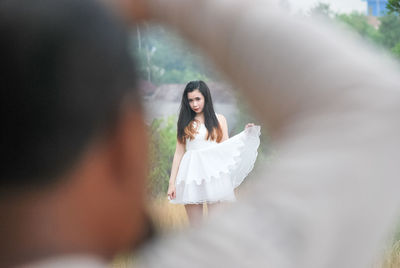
<point x="167" y="63"/>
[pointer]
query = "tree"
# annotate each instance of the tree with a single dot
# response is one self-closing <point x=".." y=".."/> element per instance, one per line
<point x="390" y="30"/>
<point x="165" y="58"/>
<point x="359" y="23"/>
<point x="393" y="6"/>
<point x="396" y="50"/>
<point x="321" y="10"/>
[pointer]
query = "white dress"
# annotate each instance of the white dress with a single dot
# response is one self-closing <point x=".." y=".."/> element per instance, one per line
<point x="210" y="171"/>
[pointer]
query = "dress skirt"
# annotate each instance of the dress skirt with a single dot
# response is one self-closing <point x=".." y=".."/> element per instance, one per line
<point x="209" y="171"/>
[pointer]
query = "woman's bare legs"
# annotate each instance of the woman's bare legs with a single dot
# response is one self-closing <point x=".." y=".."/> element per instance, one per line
<point x="212" y="208"/>
<point x="195" y="213"/>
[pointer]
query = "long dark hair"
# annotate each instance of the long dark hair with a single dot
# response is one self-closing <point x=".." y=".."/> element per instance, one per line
<point x="186" y="114"/>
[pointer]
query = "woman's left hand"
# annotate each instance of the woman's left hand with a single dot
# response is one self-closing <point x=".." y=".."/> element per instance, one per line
<point x="249" y="125"/>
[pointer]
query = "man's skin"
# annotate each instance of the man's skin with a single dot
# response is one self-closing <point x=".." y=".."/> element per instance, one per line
<point x="97" y="209"/>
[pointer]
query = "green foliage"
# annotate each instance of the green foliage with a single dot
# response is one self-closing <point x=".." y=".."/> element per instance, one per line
<point x="180" y="76"/>
<point x="388" y="34"/>
<point x="390" y="30"/>
<point x="245" y="116"/>
<point x="161" y="153"/>
<point x="396" y="50"/>
<point x="165" y="58"/>
<point x="321" y="10"/>
<point x="393" y="6"/>
<point x="359" y="23"/>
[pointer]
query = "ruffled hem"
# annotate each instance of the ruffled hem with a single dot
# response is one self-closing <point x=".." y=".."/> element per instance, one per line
<point x="213" y="191"/>
<point x="220" y="186"/>
<point x="205" y="201"/>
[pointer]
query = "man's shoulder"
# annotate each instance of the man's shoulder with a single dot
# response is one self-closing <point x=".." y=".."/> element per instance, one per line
<point x="69" y="261"/>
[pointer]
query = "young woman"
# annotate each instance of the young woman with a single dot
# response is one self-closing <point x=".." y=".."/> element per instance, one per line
<point x="208" y="165"/>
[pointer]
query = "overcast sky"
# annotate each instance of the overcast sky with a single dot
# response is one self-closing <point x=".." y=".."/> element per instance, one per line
<point x="342" y="6"/>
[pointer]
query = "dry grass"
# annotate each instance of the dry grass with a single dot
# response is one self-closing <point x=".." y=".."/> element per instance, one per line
<point x="167" y="216"/>
<point x="391" y="258"/>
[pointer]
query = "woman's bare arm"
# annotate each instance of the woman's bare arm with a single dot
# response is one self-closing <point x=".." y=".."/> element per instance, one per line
<point x="224" y="125"/>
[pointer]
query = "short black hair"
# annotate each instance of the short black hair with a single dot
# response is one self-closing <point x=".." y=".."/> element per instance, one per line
<point x="66" y="66"/>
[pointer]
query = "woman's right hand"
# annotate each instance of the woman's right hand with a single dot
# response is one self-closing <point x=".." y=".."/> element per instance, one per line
<point x="171" y="191"/>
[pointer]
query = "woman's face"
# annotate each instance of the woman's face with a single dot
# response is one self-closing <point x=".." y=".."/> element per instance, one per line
<point x="196" y="100"/>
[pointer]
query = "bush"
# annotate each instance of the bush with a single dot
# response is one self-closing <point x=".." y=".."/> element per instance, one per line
<point x="396" y="50"/>
<point x="161" y="153"/>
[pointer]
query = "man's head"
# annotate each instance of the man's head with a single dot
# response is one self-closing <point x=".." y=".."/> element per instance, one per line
<point x="73" y="144"/>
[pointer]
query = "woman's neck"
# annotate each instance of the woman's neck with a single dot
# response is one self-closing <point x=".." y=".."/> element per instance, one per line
<point x="199" y="116"/>
<point x="199" y="119"/>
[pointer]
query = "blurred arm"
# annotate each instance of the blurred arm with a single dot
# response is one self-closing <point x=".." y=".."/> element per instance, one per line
<point x="287" y="67"/>
<point x="332" y="106"/>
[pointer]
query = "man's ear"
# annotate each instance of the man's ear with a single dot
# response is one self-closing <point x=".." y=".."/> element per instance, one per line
<point x="128" y="149"/>
<point x="112" y="182"/>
